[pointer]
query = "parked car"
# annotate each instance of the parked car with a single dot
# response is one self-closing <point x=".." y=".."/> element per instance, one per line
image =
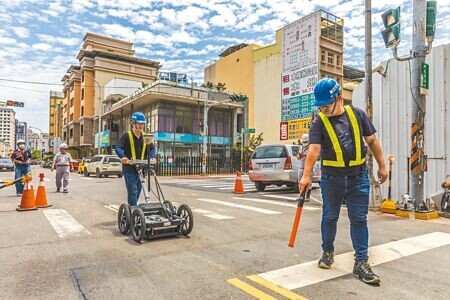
<point x="6" y="164"/>
<point x="277" y="164"/>
<point x="82" y="165"/>
<point x="75" y="164"/>
<point x="104" y="165"/>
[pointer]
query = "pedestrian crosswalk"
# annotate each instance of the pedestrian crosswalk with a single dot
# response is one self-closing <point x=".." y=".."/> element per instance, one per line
<point x="232" y="204"/>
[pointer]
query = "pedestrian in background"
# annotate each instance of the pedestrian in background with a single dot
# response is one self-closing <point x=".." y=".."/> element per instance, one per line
<point x="61" y="162"/>
<point x="338" y="135"/>
<point x="21" y="159"/>
<point x="301" y="156"/>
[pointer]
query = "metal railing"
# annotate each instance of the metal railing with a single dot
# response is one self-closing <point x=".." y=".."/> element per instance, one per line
<point x="192" y="165"/>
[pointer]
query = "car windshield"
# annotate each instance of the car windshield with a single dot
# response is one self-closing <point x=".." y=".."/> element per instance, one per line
<point x="5" y="161"/>
<point x="270" y="152"/>
<point x="114" y="159"/>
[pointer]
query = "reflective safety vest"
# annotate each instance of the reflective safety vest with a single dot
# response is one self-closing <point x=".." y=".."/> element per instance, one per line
<point x="133" y="150"/>
<point x="339" y="162"/>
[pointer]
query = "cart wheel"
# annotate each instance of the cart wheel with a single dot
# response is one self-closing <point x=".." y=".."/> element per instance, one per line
<point x="86" y="174"/>
<point x="123" y="218"/>
<point x="97" y="173"/>
<point x="185" y="212"/>
<point x="169" y="206"/>
<point x="138" y="224"/>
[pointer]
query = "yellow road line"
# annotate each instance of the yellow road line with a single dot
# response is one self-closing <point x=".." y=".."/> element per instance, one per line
<point x="276" y="288"/>
<point x="250" y="290"/>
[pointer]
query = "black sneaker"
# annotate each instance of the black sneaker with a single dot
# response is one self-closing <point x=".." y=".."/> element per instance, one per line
<point x="363" y="271"/>
<point x="326" y="260"/>
<point x="58" y="190"/>
<point x="65" y="191"/>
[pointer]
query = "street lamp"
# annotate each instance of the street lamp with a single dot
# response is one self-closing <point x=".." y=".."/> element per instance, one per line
<point x="233" y="98"/>
<point x="99" y="109"/>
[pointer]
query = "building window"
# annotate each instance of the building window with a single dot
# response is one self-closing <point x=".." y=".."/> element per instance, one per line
<point x="338" y="60"/>
<point x="71" y="102"/>
<point x="71" y="87"/>
<point x="82" y="130"/>
<point x="71" y="117"/>
<point x="82" y="77"/>
<point x="330" y="58"/>
<point x="323" y="56"/>
<point x="82" y="111"/>
<point x="71" y="133"/>
<point x="82" y="94"/>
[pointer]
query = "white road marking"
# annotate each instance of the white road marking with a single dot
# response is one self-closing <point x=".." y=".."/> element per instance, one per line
<point x="212" y="215"/>
<point x="276" y="203"/>
<point x="287" y="197"/>
<point x="46" y="179"/>
<point x="231" y="188"/>
<point x="113" y="207"/>
<point x="64" y="224"/>
<point x="308" y="273"/>
<point x="260" y="210"/>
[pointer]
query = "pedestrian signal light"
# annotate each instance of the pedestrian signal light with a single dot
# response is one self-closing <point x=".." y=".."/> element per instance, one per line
<point x="391" y="32"/>
<point x="431" y="19"/>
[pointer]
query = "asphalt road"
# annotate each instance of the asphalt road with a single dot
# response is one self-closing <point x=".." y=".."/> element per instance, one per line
<point x="73" y="249"/>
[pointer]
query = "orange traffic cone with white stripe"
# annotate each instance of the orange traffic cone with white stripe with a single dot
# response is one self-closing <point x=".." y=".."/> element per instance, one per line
<point x="41" y="195"/>
<point x="238" y="186"/>
<point x="28" y="201"/>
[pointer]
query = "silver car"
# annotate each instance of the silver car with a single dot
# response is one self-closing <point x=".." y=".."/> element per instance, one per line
<point x="277" y="164"/>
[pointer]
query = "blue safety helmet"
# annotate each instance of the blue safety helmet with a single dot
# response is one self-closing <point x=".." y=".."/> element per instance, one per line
<point x="137" y="117"/>
<point x="325" y="91"/>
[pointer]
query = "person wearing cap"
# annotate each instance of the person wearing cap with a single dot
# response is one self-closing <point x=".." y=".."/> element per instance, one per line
<point x="301" y="156"/>
<point x="339" y="135"/>
<point x="131" y="146"/>
<point x="21" y="158"/>
<point x="61" y="162"/>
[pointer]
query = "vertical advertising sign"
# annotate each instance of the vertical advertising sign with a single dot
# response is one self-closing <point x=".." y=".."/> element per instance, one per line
<point x="299" y="71"/>
<point x="283" y="131"/>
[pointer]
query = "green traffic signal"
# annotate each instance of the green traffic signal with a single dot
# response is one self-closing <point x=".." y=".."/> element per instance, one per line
<point x="391" y="21"/>
<point x="431" y="18"/>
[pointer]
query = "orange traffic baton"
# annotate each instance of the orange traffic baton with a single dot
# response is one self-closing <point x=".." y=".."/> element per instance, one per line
<point x="298" y="214"/>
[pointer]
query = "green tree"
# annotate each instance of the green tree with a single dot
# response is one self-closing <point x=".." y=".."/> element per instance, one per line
<point x="36" y="154"/>
<point x="220" y="86"/>
<point x="208" y="85"/>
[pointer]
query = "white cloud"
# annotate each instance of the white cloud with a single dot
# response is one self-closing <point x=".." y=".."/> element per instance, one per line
<point x="42" y="47"/>
<point x="59" y="40"/>
<point x="21" y="32"/>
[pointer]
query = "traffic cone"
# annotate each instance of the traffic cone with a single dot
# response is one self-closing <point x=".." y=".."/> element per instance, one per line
<point x="41" y="195"/>
<point x="238" y="186"/>
<point x="28" y="201"/>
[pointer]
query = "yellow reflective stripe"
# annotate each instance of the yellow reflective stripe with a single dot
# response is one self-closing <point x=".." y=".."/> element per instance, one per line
<point x="133" y="150"/>
<point x="143" y="151"/>
<point x="358" y="161"/>
<point x="339" y="162"/>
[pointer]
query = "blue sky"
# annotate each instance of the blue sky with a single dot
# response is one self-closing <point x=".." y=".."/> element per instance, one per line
<point x="39" y="40"/>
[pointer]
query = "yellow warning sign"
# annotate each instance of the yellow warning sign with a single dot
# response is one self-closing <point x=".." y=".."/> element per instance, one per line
<point x="298" y="127"/>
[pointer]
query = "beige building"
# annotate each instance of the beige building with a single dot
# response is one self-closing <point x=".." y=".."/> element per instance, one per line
<point x="101" y="60"/>
<point x="55" y="117"/>
<point x="7" y="130"/>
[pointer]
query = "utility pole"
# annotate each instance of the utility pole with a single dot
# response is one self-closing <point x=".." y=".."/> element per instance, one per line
<point x="424" y="24"/>
<point x="375" y="187"/>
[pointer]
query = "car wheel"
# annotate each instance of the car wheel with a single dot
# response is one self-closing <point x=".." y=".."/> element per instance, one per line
<point x="296" y="188"/>
<point x="86" y="173"/>
<point x="260" y="187"/>
<point x="185" y="212"/>
<point x="97" y="173"/>
<point x="119" y="175"/>
<point x="123" y="218"/>
<point x="138" y="225"/>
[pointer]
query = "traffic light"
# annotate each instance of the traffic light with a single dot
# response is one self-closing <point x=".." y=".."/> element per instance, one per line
<point x="200" y="126"/>
<point x="431" y="18"/>
<point x="391" y="32"/>
<point x="238" y="98"/>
